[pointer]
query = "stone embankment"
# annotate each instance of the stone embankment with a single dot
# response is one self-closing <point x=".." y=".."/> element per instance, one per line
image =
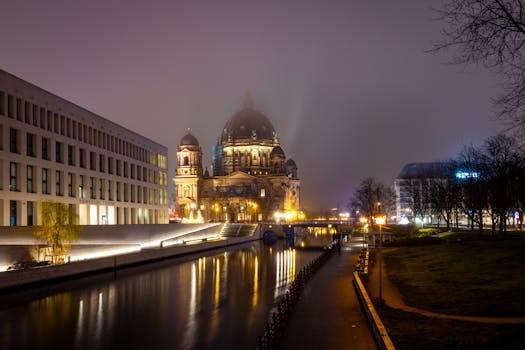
<point x="48" y="274"/>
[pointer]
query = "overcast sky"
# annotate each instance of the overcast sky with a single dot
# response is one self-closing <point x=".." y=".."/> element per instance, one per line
<point x="347" y="84"/>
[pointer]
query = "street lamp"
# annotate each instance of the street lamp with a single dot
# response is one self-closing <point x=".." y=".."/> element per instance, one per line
<point x="363" y="220"/>
<point x="380" y="220"/>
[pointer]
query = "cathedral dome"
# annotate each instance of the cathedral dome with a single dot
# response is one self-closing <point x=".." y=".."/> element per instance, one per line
<point x="189" y="140"/>
<point x="248" y="124"/>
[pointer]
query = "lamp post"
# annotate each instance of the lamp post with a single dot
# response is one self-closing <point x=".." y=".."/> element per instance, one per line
<point x="380" y="220"/>
<point x="363" y="220"/>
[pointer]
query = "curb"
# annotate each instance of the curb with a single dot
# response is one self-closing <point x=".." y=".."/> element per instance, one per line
<point x="378" y="329"/>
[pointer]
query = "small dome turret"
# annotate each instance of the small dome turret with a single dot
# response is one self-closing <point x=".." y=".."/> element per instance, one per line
<point x="277" y="151"/>
<point x="189" y="140"/>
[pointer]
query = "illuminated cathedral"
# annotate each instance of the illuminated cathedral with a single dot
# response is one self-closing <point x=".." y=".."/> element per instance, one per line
<point x="251" y="179"/>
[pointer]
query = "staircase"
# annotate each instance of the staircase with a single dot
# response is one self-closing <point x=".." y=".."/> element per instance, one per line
<point x="238" y="230"/>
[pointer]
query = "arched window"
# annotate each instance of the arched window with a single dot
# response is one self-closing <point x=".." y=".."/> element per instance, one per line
<point x="186" y="161"/>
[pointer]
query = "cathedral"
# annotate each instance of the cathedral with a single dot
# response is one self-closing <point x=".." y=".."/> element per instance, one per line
<point x="251" y="180"/>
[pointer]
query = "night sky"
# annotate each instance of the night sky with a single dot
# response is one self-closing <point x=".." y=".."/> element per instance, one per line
<point x="348" y="85"/>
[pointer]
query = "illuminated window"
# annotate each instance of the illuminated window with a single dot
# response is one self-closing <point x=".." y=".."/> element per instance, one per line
<point x="30" y="187"/>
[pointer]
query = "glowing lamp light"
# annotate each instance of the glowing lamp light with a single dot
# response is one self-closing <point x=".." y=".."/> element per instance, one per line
<point x="363" y="220"/>
<point x="380" y="220"/>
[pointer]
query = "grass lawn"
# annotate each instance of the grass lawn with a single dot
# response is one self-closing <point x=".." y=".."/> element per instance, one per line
<point x="412" y="331"/>
<point x="472" y="277"/>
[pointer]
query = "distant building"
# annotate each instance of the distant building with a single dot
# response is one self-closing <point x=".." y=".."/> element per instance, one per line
<point x="54" y="150"/>
<point x="412" y="190"/>
<point x="251" y="179"/>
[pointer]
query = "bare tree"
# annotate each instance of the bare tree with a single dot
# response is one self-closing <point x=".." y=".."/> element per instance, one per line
<point x="473" y="185"/>
<point x="444" y="193"/>
<point x="502" y="168"/>
<point x="492" y="33"/>
<point x="369" y="197"/>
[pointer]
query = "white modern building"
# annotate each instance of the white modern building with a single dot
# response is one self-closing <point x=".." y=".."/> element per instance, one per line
<point x="54" y="150"/>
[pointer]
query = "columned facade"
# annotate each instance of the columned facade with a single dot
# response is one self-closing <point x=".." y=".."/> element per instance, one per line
<point x="54" y="150"/>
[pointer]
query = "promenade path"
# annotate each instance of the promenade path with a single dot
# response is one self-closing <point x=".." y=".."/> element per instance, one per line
<point x="392" y="297"/>
<point x="328" y="314"/>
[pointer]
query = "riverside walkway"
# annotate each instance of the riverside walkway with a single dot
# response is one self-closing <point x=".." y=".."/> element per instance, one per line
<point x="328" y="314"/>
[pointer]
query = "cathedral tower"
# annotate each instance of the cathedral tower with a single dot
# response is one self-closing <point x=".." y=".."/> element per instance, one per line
<point x="188" y="177"/>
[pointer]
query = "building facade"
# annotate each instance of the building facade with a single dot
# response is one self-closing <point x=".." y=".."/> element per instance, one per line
<point x="251" y="178"/>
<point x="54" y="150"/>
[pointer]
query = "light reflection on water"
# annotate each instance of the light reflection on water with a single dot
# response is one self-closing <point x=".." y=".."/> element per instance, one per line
<point x="221" y="300"/>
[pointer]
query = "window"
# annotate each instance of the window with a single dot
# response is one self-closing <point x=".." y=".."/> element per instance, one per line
<point x="13" y="177"/>
<point x="92" y="161"/>
<point x="42" y="118"/>
<point x="82" y="158"/>
<point x="30" y="209"/>
<point x="58" y="152"/>
<point x="81" y="187"/>
<point x="62" y="125"/>
<point x="68" y="127"/>
<point x="12" y="213"/>
<point x="56" y="124"/>
<point x="58" y="183"/>
<point x="13" y="141"/>
<point x="132" y="171"/>
<point x="35" y="115"/>
<point x="125" y="169"/>
<point x="92" y="187"/>
<point x="110" y="192"/>
<point x="186" y="161"/>
<point x="125" y="192"/>
<point x="45" y="181"/>
<point x="49" y="121"/>
<point x="30" y="142"/>
<point x="30" y="176"/>
<point x="27" y="110"/>
<point x="70" y="185"/>
<point x="45" y="148"/>
<point x="2" y="103"/>
<point x="19" y="109"/>
<point x="71" y="155"/>
<point x="101" y="188"/>
<point x="118" y="191"/>
<point x="139" y="172"/>
<point x="110" y="165"/>
<point x="118" y="167"/>
<point x="101" y="163"/>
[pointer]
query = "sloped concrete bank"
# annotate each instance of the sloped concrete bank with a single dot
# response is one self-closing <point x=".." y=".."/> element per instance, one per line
<point x="42" y="275"/>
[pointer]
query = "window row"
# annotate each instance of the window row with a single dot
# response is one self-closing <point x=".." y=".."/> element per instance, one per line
<point x="81" y="186"/>
<point x="82" y="158"/>
<point x="32" y="114"/>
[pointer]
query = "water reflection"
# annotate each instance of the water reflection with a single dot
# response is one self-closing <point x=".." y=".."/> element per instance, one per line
<point x="221" y="300"/>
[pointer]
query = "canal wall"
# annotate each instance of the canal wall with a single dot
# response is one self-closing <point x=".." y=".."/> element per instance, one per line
<point x="49" y="274"/>
<point x="378" y="329"/>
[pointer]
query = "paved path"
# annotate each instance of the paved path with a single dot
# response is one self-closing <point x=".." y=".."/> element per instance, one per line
<point x="392" y="297"/>
<point x="328" y="314"/>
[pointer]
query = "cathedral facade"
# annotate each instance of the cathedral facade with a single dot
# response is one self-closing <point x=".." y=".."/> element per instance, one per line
<point x="251" y="178"/>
